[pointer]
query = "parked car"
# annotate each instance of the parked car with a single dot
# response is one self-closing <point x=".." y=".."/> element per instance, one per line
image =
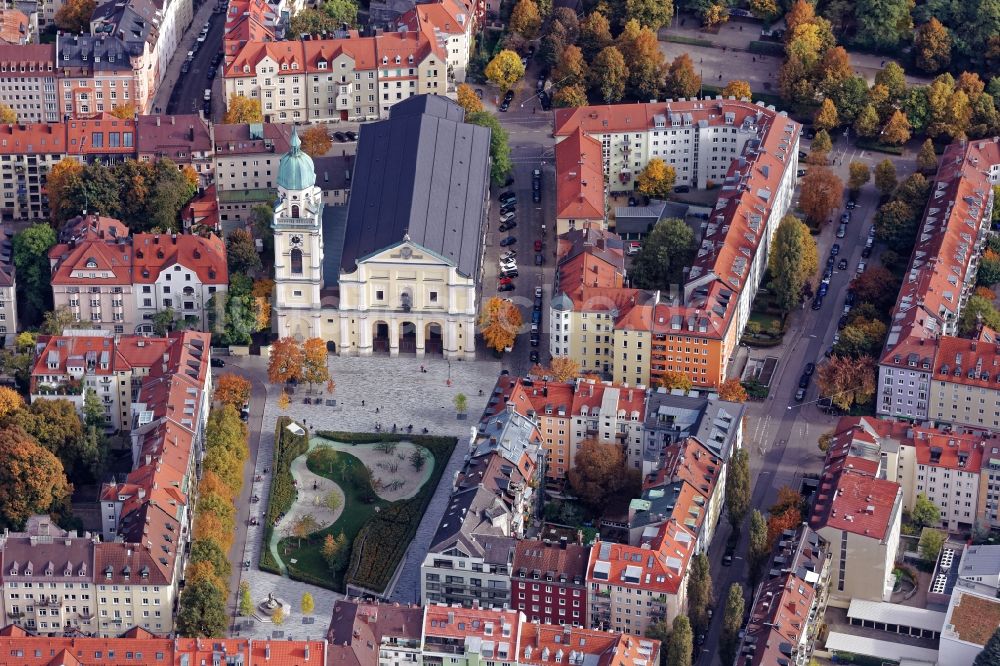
<point x="830" y="261"/>
<point x="539" y="259"/>
<point x="852" y="204"/>
<point x="217" y="362"/>
<point x="545" y="100"/>
<point x="632" y="201"/>
<point x="533" y="356"/>
<point x="185" y="67"/>
<point x="538" y="303"/>
<point x="536" y="179"/>
<point x="800" y="173"/>
<point x="510" y="273"/>
<point x="507" y="226"/>
<point x="507" y="198"/>
<point x="509" y="208"/>
<point x="804" y="381"/>
<point x="506" y="287"/>
<point x="351" y="136"/>
<point x="823" y="288"/>
<point x="536" y="195"/>
<point x="538" y="292"/>
<point x="504" y="105"/>
<point x="842" y="265"/>
<point x="505" y="280"/>
<point x="809" y="369"/>
<point x="817" y="303"/>
<point x="633" y="248"/>
<point x="841" y="230"/>
<point x="340" y="136"/>
<point x="538" y="245"/>
<point x="509" y="254"/>
<point x="535" y="338"/>
<point x="842" y="322"/>
<point x="800" y="395"/>
<point x="682" y="189"/>
<point x="850" y="298"/>
<point x="507" y="242"/>
<point x="861" y="268"/>
<point x="866" y="252"/>
<point x="508" y="216"/>
<point x="835" y="250"/>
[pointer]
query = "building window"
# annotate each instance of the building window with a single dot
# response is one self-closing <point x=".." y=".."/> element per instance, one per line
<point x="297" y="262"/>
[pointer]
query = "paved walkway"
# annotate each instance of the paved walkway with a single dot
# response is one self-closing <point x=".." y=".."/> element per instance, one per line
<point x="404" y="396"/>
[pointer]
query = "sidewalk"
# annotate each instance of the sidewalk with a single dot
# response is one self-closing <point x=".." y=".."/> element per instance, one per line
<point x="162" y="95"/>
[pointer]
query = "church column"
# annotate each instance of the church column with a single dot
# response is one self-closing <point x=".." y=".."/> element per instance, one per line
<point x="344" y="347"/>
<point x="469" y="338"/>
<point x="365" y="336"/>
<point x="420" y="336"/>
<point x="450" y="342"/>
<point x="393" y="337"/>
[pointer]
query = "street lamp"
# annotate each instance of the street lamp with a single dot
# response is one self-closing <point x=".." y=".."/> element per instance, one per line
<point x="449" y="372"/>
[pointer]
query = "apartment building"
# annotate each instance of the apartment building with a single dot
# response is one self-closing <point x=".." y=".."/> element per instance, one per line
<point x="16" y="27"/>
<point x="119" y="282"/>
<point x="581" y="195"/>
<point x="349" y="78"/>
<point x="363" y="633"/>
<point x="470" y="636"/>
<point x="471" y="555"/>
<point x="634" y="586"/>
<point x="245" y="165"/>
<point x="186" y="140"/>
<point x="923" y="374"/>
<point x="608" y="414"/>
<point x="452" y="26"/>
<point x="100" y="71"/>
<point x="752" y="152"/>
<point x="671" y="418"/>
<point x="248" y="21"/>
<point x="969" y="623"/>
<point x="859" y="515"/>
<point x="787" y="608"/>
<point x="549" y="582"/>
<point x="27" y="152"/>
<point x="144" y="647"/>
<point x="159" y="23"/>
<point x="28" y="81"/>
<point x="543" y="644"/>
<point x="8" y="304"/>
<point x="549" y="404"/>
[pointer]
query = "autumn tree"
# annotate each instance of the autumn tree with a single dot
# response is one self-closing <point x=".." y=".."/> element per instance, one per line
<point x="826" y="117"/>
<point x="885" y="177"/>
<point x="570" y="97"/>
<point x="55" y="425"/>
<point x="468" y="99"/>
<point x="927" y="158"/>
<point x="779" y="522"/>
<point x="245" y="602"/>
<point x="608" y="75"/>
<point x="335" y="551"/>
<point x="932" y="46"/>
<point x="847" y="381"/>
<point x="572" y="68"/>
<point x="834" y="70"/>
<point x="732" y="390"/>
<point x="732" y="620"/>
<point x="32" y="480"/>
<point x="682" y="80"/>
<point x="285" y="362"/>
<point x="308" y="605"/>
<point x="859" y="175"/>
<point x="595" y="34"/>
<point x="500" y="322"/>
<point x="505" y="69"/>
<point x="792" y="262"/>
<point x="210" y="551"/>
<point x="867" y="122"/>
<point x="820" y="148"/>
<point x="738" y="488"/>
<point x="656" y="179"/>
<point x="641" y="50"/>
<point x="897" y="130"/>
<point x="599" y="472"/>
<point x="675" y="380"/>
<point x="700" y="595"/>
<point x="316" y="141"/>
<point x="681" y="643"/>
<point x="525" y="19"/>
<point x="232" y="390"/>
<point x="63" y="178"/>
<point x="765" y="10"/>
<point x="314" y="362"/>
<point x="877" y="286"/>
<point x="74" y="16"/>
<point x="821" y="193"/>
<point x="651" y="14"/>
<point x="242" y="110"/>
<point x="10" y="401"/>
<point x="7" y="115"/>
<point x="737" y="88"/>
<point x="861" y="337"/>
<point x="668" y="248"/>
<point x="560" y="369"/>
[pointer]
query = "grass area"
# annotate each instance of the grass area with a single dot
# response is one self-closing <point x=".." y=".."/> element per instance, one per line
<point x="360" y="504"/>
<point x="287" y="448"/>
<point x="386" y="527"/>
<point x="767" y="98"/>
<point x="767" y="48"/>
<point x="871" y="144"/>
<point x="692" y="41"/>
<point x="247" y="196"/>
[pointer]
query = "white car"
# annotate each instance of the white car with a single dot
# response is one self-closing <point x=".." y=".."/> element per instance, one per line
<point x="508" y="256"/>
<point x="508" y="266"/>
<point x="861" y="268"/>
<point x="507" y="217"/>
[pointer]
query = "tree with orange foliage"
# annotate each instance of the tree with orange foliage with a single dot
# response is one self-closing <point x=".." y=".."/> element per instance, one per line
<point x="984" y="292"/>
<point x="74" y="15"/>
<point x="331" y="386"/>
<point x="284" y="401"/>
<point x="262" y="302"/>
<point x="672" y="379"/>
<point x="285" y="363"/>
<point x="212" y="483"/>
<point x="316" y="141"/>
<point x="124" y="111"/>
<point x="561" y="369"/>
<point x="314" y="368"/>
<point x="737" y="88"/>
<point x="32" y="480"/>
<point x="232" y="390"/>
<point x="821" y="193"/>
<point x="191" y="176"/>
<point x="847" y="381"/>
<point x="209" y="526"/>
<point x="10" y="401"/>
<point x="63" y="179"/>
<point x="778" y="523"/>
<point x="733" y="391"/>
<point x="500" y="321"/>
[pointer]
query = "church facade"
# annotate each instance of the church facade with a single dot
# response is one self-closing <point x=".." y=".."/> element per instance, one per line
<point x="398" y="270"/>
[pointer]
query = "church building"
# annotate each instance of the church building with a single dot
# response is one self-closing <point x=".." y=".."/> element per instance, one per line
<point x="398" y="269"/>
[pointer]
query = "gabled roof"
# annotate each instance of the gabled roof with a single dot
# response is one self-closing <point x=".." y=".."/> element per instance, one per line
<point x="579" y="178"/>
<point x="657" y="564"/>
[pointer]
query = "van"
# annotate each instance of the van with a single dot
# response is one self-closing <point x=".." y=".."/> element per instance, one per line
<point x="208" y="94"/>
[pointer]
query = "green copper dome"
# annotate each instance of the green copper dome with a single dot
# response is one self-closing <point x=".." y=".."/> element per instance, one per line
<point x="296" y="172"/>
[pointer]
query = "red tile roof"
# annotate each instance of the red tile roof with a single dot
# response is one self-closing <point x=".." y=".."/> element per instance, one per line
<point x="579" y="178"/>
<point x="80" y="136"/>
<point x="851" y="499"/>
<point x="35" y="138"/>
<point x="205" y="255"/>
<point x="40" y="56"/>
<point x="14" y="27"/>
<point x="658" y="564"/>
<point x="442" y="621"/>
<point x="542" y="644"/>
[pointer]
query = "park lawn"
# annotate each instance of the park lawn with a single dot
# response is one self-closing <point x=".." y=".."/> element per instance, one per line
<point x="309" y="563"/>
<point x="766" y="321"/>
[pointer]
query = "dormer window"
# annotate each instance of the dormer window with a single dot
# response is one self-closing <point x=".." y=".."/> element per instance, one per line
<point x="295" y="65"/>
<point x="397" y="60"/>
<point x="385" y="60"/>
<point x="284" y="66"/>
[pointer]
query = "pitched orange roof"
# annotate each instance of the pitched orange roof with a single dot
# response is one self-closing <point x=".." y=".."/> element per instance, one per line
<point x="205" y="255"/>
<point x="658" y="564"/>
<point x="579" y="178"/>
<point x="40" y="138"/>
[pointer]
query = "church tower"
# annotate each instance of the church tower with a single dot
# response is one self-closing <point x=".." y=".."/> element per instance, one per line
<point x="298" y="245"/>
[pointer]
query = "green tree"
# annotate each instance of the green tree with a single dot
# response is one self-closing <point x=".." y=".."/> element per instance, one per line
<point x="646" y="66"/>
<point x="499" y="145"/>
<point x="820" y="146"/>
<point x="916" y="104"/>
<point x="31" y="261"/>
<point x="759" y="550"/>
<point x="738" y="488"/>
<point x="990" y="654"/>
<point x="885" y="177"/>
<point x="927" y="158"/>
<point x="651" y="14"/>
<point x="209" y="550"/>
<point x="608" y="74"/>
<point x="850" y="95"/>
<point x="896" y="224"/>
<point x="241" y="253"/>
<point x="861" y="337"/>
<point x="595" y="35"/>
<point x="525" y="19"/>
<point x="505" y="70"/>
<point x="681" y="643"/>
<point x="682" y="80"/>
<point x="308" y="605"/>
<point x="930" y="544"/>
<point x="93" y="410"/>
<point x="732" y="620"/>
<point x="699" y="592"/>
<point x="202" y="612"/>
<point x="882" y="24"/>
<point x="310" y="21"/>
<point x="859" y="176"/>
<point x="925" y="513"/>
<point x="792" y="262"/>
<point x="668" y="248"/>
<point x="56" y="321"/>
<point x="461" y="403"/>
<point x="867" y="123"/>
<point x="932" y="46"/>
<point x="893" y="78"/>
<point x="245" y="603"/>
<point x="171" y="191"/>
<point x="988" y="273"/>
<point x="342" y="11"/>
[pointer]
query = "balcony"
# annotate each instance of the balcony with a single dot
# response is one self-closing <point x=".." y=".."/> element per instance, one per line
<point x="300" y="222"/>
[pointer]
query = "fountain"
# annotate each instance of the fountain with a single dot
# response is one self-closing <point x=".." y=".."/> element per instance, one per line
<point x="267" y="608"/>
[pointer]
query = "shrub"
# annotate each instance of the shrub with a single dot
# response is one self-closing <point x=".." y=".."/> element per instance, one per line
<point x="287" y="447"/>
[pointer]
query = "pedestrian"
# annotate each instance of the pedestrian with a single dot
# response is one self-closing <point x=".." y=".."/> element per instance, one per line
<point x="720" y="77"/>
<point x="376" y="410"/>
<point x="755" y="58"/>
<point x="362" y="403"/>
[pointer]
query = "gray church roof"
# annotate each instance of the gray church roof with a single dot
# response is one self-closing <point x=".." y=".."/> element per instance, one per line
<point x="422" y="172"/>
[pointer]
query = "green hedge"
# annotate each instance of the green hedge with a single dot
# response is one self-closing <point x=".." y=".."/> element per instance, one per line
<point x="287" y="447"/>
<point x="767" y="48"/>
<point x="692" y="41"/>
<point x="872" y="144"/>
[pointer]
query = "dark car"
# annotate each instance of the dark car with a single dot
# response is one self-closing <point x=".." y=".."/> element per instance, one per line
<point x="842" y="322"/>
<point x="507" y="226"/>
<point x="817" y="303"/>
<point x="509" y="97"/>
<point x="867" y="252"/>
<point x="535" y="338"/>
<point x="508" y="208"/>
<point x="850" y="298"/>
<point x="804" y="381"/>
<point x="507" y="242"/>
<point x="682" y="189"/>
<point x="507" y="198"/>
<point x="504" y="105"/>
<point x="539" y="259"/>
<point x="800" y="395"/>
<point x="727" y="559"/>
<point x="810" y="133"/>
<point x="835" y="250"/>
<point x="536" y="316"/>
<point x="842" y="265"/>
<point x="852" y="204"/>
<point x="538" y="302"/>
<point x="823" y="288"/>
<point x="545" y="100"/>
<point x="828" y="273"/>
<point x="809" y="369"/>
<point x="351" y="136"/>
<point x="218" y="363"/>
<point x="506" y="287"/>
<point x="533" y="356"/>
<point x="511" y="273"/>
<point x="801" y="172"/>
<point x="802" y="155"/>
<point x="632" y="201"/>
<point x="830" y="261"/>
<point x="531" y="50"/>
<point x="340" y="136"/>
<point x="536" y="196"/>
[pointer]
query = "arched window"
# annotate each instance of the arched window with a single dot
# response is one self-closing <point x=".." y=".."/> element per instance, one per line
<point x="297" y="262"/>
<point x="295" y="211"/>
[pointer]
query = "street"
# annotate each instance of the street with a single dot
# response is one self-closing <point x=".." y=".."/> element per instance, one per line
<point x="187" y="95"/>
